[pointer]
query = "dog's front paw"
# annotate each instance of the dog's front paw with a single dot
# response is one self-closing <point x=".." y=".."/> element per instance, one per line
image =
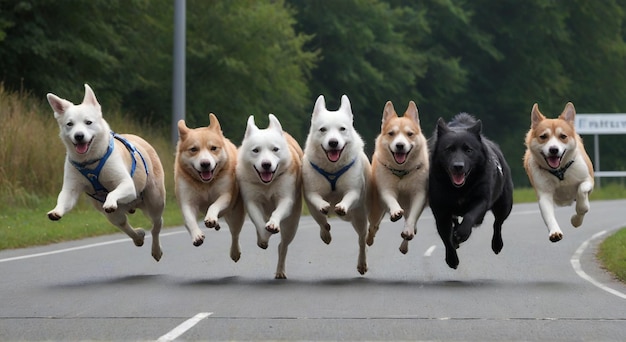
<point x="408" y="234"/>
<point x="235" y="254"/>
<point x="341" y="210"/>
<point x="325" y="233"/>
<point x="54" y="216"/>
<point x="452" y="259"/>
<point x="280" y="275"/>
<point x="404" y="246"/>
<point x="198" y="240"/>
<point x="212" y="223"/>
<point x="556" y="236"/>
<point x="362" y="268"/>
<point x="325" y="209"/>
<point x="272" y="227"/>
<point x="396" y="215"/>
<point x="109" y="208"/>
<point x="262" y="244"/>
<point x="138" y="239"/>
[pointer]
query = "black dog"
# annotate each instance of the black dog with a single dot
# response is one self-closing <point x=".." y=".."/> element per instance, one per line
<point x="468" y="176"/>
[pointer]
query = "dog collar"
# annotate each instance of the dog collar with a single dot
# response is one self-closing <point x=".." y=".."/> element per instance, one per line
<point x="332" y="177"/>
<point x="92" y="175"/>
<point x="560" y="173"/>
<point x="401" y="173"/>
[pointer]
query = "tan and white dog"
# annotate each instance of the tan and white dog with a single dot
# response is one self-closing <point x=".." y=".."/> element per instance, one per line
<point x="204" y="175"/>
<point x="269" y="172"/>
<point x="336" y="172"/>
<point x="558" y="167"/>
<point x="400" y="169"/>
<point x="120" y="172"/>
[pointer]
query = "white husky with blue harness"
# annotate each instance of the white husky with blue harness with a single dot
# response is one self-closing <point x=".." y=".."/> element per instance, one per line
<point x="105" y="166"/>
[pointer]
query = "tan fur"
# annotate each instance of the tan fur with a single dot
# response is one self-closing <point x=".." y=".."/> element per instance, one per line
<point x="578" y="180"/>
<point x="212" y="198"/>
<point x="405" y="192"/>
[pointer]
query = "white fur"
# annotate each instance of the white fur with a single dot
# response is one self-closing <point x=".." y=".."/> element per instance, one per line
<point x="276" y="205"/>
<point x="86" y="120"/>
<point x="349" y="199"/>
<point x="578" y="180"/>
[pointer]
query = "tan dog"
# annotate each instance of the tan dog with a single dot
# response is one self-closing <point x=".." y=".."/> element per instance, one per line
<point x="204" y="174"/>
<point x="400" y="172"/>
<point x="269" y="171"/>
<point x="558" y="167"/>
<point x="120" y="172"/>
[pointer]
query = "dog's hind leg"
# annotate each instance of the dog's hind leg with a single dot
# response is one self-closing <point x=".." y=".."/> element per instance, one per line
<point x="360" y="226"/>
<point x="120" y="220"/>
<point x="582" y="203"/>
<point x="235" y="223"/>
<point x="286" y="236"/>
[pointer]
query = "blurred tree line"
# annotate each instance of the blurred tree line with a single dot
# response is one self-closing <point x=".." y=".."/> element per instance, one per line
<point x="493" y="59"/>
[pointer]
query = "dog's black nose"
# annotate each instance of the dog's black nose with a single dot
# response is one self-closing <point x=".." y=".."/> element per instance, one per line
<point x="458" y="166"/>
<point x="266" y="165"/>
<point x="400" y="146"/>
<point x="333" y="143"/>
<point x="79" y="137"/>
<point x="553" y="150"/>
<point x="205" y="165"/>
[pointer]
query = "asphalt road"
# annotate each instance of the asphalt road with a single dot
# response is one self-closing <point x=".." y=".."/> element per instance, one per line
<point x="107" y="289"/>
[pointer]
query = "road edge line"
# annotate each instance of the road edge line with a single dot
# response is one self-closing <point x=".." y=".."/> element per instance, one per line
<point x="183" y="327"/>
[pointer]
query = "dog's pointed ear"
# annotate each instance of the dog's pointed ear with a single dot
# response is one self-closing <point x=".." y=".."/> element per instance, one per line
<point x="569" y="113"/>
<point x="442" y="127"/>
<point x="389" y="112"/>
<point x="411" y="112"/>
<point x="250" y="126"/>
<point x="182" y="129"/>
<point x="90" y="97"/>
<point x="535" y="116"/>
<point x="345" y="105"/>
<point x="59" y="105"/>
<point x="274" y="123"/>
<point x="320" y="104"/>
<point x="214" y="123"/>
<point x="476" y="128"/>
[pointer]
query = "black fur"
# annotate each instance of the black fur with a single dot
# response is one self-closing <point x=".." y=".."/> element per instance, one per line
<point x="460" y="154"/>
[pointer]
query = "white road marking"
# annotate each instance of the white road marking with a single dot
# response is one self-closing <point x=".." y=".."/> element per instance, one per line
<point x="429" y="251"/>
<point x="183" y="327"/>
<point x="575" y="261"/>
<point x="65" y="250"/>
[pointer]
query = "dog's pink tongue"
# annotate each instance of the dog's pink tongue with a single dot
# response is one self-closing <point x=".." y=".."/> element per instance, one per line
<point x="554" y="162"/>
<point x="206" y="175"/>
<point x="399" y="157"/>
<point x="82" y="148"/>
<point x="333" y="155"/>
<point x="458" y="179"/>
<point x="266" y="176"/>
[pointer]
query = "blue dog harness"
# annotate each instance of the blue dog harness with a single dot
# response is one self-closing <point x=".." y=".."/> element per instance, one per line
<point x="100" y="192"/>
<point x="332" y="177"/>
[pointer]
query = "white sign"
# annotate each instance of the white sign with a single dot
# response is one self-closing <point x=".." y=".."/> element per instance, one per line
<point x="600" y="123"/>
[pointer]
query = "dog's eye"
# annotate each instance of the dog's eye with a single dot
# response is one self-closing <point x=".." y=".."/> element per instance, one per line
<point x="70" y="124"/>
<point x="342" y="129"/>
<point x="563" y="136"/>
<point x="323" y="129"/>
<point x="193" y="149"/>
<point x="410" y="134"/>
<point x="543" y="136"/>
<point x="391" y="134"/>
<point x="468" y="150"/>
<point x="275" y="149"/>
<point x="88" y="122"/>
<point x="213" y="148"/>
<point x="255" y="150"/>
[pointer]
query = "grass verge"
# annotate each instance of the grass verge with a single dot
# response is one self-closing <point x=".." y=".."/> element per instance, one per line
<point x="612" y="254"/>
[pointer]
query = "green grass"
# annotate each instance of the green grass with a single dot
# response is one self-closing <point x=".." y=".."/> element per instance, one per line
<point x="612" y="254"/>
<point x="24" y="227"/>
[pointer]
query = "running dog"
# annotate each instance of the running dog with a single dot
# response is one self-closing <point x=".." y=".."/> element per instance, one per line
<point x="399" y="172"/>
<point x="336" y="172"/>
<point x="269" y="171"/>
<point x="468" y="177"/>
<point x="120" y="172"/>
<point x="204" y="177"/>
<point x="558" y="167"/>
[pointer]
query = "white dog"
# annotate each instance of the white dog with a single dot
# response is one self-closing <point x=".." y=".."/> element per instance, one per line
<point x="269" y="175"/>
<point x="558" y="167"/>
<point x="120" y="172"/>
<point x="336" y="172"/>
